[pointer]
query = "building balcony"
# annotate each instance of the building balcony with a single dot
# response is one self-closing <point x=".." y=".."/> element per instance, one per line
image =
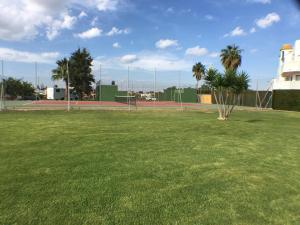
<point x="291" y="67"/>
<point x="286" y="85"/>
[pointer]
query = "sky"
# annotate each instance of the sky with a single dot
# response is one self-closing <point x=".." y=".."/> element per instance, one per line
<point x="168" y="36"/>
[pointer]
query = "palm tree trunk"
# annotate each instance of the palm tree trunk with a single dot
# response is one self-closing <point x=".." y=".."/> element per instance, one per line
<point x="199" y="98"/>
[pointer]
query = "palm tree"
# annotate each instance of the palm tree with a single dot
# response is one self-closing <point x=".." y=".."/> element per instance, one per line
<point x="198" y="72"/>
<point x="227" y="89"/>
<point x="231" y="57"/>
<point x="61" y="73"/>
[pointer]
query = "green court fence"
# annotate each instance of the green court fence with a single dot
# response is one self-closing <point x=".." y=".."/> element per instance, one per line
<point x="188" y="95"/>
<point x="108" y="93"/>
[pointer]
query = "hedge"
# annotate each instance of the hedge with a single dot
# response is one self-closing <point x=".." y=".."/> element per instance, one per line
<point x="286" y="100"/>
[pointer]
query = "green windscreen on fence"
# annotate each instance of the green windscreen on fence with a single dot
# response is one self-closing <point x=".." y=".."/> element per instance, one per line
<point x="106" y="92"/>
<point x="188" y="95"/>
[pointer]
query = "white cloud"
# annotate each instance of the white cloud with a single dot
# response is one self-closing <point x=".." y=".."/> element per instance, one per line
<point x="252" y="30"/>
<point x="55" y="26"/>
<point x="91" y="33"/>
<point x="28" y="57"/>
<point x="165" y="62"/>
<point x="254" y="50"/>
<point x="268" y="20"/>
<point x="166" y="43"/>
<point x="101" y="5"/>
<point x="106" y="5"/>
<point x="209" y="17"/>
<point x="214" y="54"/>
<point x="238" y="31"/>
<point x="82" y="14"/>
<point x="25" y="19"/>
<point x="116" y="31"/>
<point x="260" y="1"/>
<point x="94" y="21"/>
<point x="116" y="45"/>
<point x="127" y="59"/>
<point x="186" y="11"/>
<point x="196" y="51"/>
<point x="151" y="60"/>
<point x="170" y="10"/>
<point x="148" y="60"/>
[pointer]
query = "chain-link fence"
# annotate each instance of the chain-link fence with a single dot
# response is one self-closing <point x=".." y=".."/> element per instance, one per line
<point x="121" y="88"/>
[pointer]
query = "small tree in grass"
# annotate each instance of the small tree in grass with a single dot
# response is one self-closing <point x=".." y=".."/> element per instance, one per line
<point x="226" y="89"/>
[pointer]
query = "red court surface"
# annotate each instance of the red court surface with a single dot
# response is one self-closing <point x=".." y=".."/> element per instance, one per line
<point x="114" y="104"/>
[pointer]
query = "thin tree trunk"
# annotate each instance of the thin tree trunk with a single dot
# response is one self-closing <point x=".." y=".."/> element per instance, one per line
<point x="215" y="96"/>
<point x="219" y="105"/>
<point x="223" y="104"/>
<point x="234" y="102"/>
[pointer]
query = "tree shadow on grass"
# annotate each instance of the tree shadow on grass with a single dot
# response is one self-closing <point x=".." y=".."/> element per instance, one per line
<point x="254" y="121"/>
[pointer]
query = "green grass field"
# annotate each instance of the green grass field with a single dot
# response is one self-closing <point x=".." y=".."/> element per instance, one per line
<point x="102" y="167"/>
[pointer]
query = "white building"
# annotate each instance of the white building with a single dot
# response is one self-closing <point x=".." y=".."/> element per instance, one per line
<point x="55" y="93"/>
<point x="289" y="68"/>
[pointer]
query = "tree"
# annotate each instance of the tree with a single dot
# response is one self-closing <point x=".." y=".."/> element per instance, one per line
<point x="17" y="87"/>
<point x="81" y="77"/>
<point x="227" y="89"/>
<point x="61" y="73"/>
<point x="231" y="57"/>
<point x="198" y="72"/>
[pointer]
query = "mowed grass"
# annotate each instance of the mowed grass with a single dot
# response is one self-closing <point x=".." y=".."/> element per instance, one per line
<point x="149" y="167"/>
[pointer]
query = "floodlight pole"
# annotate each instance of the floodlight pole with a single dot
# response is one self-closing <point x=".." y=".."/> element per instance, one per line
<point x="68" y="86"/>
<point x="179" y="86"/>
<point x="155" y="85"/>
<point x="36" y="81"/>
<point x="256" y="95"/>
<point x="129" y="106"/>
<point x="2" y="86"/>
<point x="100" y="73"/>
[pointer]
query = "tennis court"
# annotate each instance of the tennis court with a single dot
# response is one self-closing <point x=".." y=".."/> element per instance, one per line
<point x="102" y="105"/>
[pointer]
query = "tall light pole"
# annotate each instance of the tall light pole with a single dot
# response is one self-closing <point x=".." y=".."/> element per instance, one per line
<point x="100" y="77"/>
<point x="179" y="86"/>
<point x="154" y="86"/>
<point x="129" y="103"/>
<point x="2" y="87"/>
<point x="68" y="86"/>
<point x="36" y="81"/>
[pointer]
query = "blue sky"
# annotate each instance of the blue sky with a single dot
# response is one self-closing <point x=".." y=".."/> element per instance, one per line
<point x="145" y="34"/>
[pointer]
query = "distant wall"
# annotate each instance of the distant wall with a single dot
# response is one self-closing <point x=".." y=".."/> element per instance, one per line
<point x="286" y="100"/>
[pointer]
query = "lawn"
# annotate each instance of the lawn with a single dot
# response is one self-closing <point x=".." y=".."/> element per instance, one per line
<point x="149" y="167"/>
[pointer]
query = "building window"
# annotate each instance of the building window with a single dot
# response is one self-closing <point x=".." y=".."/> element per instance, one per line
<point x="57" y="90"/>
<point x="297" y="77"/>
<point x="288" y="78"/>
